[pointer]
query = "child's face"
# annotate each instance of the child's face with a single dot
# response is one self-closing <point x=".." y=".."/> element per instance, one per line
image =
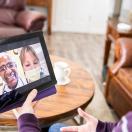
<point x="30" y="61"/>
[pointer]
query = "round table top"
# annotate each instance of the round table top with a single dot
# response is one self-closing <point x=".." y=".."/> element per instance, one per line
<point x="78" y="93"/>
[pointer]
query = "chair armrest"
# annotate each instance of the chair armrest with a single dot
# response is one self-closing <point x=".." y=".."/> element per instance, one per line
<point x="27" y="19"/>
<point x="123" y="54"/>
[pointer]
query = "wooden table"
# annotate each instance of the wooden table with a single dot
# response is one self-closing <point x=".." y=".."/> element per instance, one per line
<point x="78" y="93"/>
<point x="112" y="35"/>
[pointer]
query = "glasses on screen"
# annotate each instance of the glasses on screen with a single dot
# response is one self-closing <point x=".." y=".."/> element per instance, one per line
<point x="9" y="65"/>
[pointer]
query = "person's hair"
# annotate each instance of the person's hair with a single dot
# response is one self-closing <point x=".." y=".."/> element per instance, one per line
<point x="3" y="54"/>
<point x="26" y="49"/>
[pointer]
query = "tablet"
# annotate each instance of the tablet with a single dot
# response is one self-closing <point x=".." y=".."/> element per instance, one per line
<point x="24" y="65"/>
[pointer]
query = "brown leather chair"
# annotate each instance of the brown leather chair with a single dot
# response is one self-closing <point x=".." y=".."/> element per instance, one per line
<point x="118" y="90"/>
<point x="15" y="19"/>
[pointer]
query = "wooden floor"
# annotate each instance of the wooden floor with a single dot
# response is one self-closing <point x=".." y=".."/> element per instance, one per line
<point x="85" y="49"/>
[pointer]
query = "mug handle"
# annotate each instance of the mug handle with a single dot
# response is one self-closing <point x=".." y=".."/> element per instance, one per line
<point x="68" y="71"/>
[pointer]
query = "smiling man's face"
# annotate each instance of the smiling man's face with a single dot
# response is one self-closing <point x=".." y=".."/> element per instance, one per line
<point x="8" y="71"/>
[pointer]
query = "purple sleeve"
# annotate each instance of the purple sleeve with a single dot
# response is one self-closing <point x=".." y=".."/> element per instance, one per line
<point x="125" y="124"/>
<point x="28" y="123"/>
<point x="105" y="126"/>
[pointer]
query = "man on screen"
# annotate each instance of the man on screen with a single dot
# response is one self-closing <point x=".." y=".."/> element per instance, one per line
<point x="8" y="72"/>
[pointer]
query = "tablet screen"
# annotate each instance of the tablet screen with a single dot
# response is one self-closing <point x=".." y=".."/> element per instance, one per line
<point x="24" y="65"/>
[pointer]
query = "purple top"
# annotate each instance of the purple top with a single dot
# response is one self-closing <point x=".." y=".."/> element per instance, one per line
<point x="29" y="123"/>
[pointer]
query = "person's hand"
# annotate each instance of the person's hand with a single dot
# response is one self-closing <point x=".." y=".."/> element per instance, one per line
<point x="27" y="107"/>
<point x="90" y="126"/>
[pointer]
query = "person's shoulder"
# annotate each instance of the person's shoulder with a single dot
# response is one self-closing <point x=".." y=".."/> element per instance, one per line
<point x="42" y="74"/>
<point x="127" y="121"/>
<point x="125" y="124"/>
<point x="129" y="113"/>
<point x="129" y="116"/>
<point x="22" y="80"/>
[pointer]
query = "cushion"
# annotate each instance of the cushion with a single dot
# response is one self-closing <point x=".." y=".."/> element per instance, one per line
<point x="14" y="4"/>
<point x="8" y="31"/>
<point x="28" y="18"/>
<point x="125" y="76"/>
<point x="8" y="17"/>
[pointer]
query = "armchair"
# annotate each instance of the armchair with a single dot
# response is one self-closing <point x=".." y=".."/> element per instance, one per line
<point x="15" y="19"/>
<point x="118" y="90"/>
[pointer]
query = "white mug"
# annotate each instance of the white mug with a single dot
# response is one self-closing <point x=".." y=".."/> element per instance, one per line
<point x="62" y="72"/>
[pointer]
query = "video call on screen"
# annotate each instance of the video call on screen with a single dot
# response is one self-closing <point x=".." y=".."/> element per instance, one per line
<point x="21" y="65"/>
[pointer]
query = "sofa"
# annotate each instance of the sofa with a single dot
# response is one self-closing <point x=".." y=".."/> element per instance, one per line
<point x="15" y="19"/>
<point x="118" y="90"/>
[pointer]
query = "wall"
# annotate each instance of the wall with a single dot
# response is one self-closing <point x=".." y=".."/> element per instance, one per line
<point x="127" y="4"/>
<point x="126" y="11"/>
<point x="83" y="16"/>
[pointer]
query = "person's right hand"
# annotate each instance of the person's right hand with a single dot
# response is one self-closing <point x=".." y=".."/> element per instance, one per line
<point x="90" y="126"/>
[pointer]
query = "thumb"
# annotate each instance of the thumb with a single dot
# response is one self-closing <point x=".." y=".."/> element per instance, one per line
<point x="83" y="114"/>
<point x="30" y="97"/>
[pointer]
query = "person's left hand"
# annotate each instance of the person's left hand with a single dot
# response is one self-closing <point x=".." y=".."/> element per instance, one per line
<point x="27" y="107"/>
<point x="90" y="126"/>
